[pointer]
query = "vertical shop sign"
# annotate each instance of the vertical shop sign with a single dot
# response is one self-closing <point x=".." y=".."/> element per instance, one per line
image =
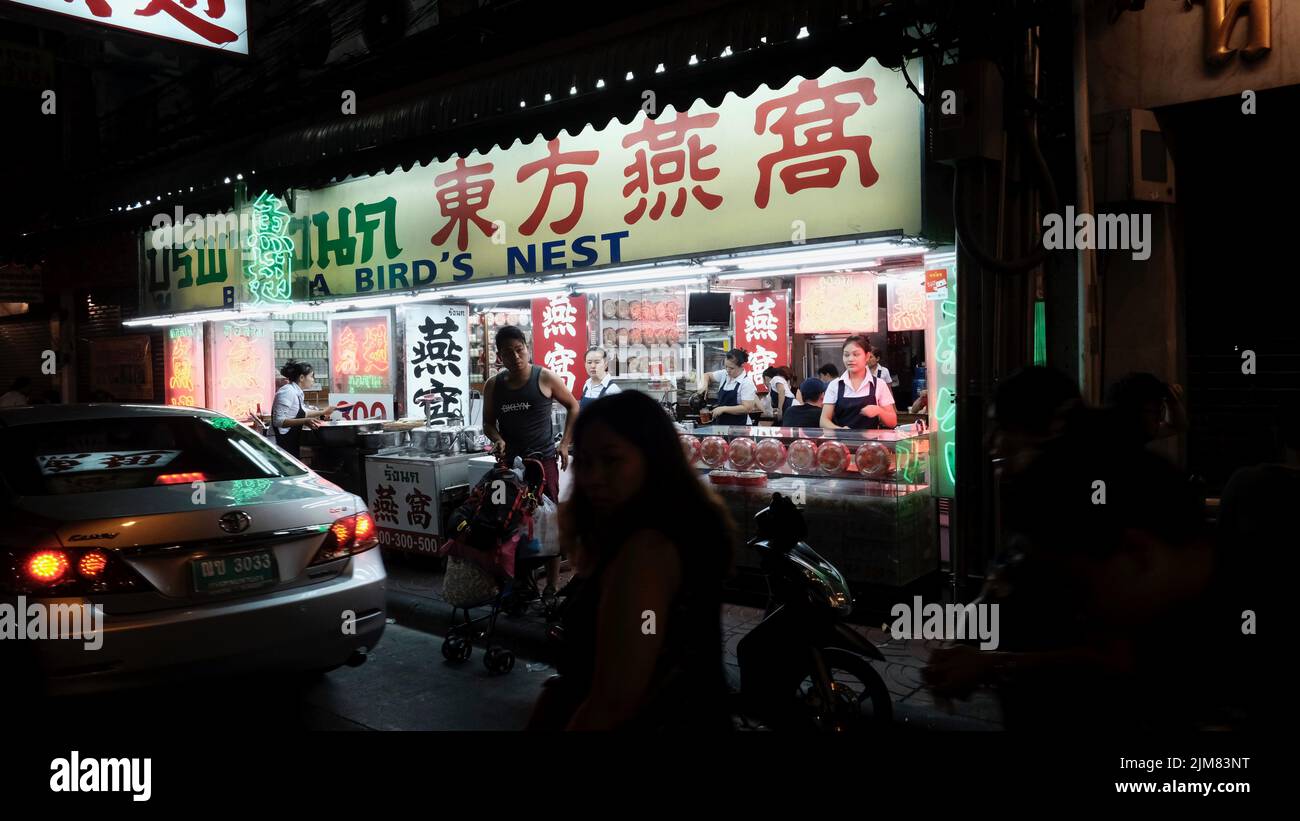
<point x="763" y="329"/>
<point x="361" y="367"/>
<point x="243" y="368"/>
<point x="437" y="363"/>
<point x="183" y="366"/>
<point x="560" y="335"/>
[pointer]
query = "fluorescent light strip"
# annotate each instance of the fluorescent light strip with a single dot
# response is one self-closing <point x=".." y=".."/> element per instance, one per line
<point x="197" y="316"/>
<point x="822" y="256"/>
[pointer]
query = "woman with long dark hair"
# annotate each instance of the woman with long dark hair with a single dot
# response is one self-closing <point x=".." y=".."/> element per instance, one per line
<point x="642" y="646"/>
<point x="290" y="413"/>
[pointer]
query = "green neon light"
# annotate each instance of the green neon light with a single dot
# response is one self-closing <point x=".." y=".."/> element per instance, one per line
<point x="221" y="422"/>
<point x="269" y="266"/>
<point x="943" y="388"/>
<point x="904" y="462"/>
<point x="178" y="331"/>
<point x="950" y="461"/>
<point x="246" y="490"/>
<point x="1040" y="333"/>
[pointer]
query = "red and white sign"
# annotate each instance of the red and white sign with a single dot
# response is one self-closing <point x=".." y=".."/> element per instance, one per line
<point x="560" y="337"/>
<point x="763" y="329"/>
<point x="936" y="284"/>
<point x="220" y="24"/>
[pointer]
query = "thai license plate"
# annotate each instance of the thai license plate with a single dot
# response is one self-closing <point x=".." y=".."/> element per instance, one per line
<point x="239" y="571"/>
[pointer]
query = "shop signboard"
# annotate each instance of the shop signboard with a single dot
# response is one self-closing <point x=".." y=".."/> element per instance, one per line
<point x="560" y="337"/>
<point x="906" y="307"/>
<point x="242" y="368"/>
<point x="763" y="329"/>
<point x="221" y="25"/>
<point x="183" y="366"/>
<point x="437" y="362"/>
<point x="936" y="284"/>
<point x="403" y="503"/>
<point x="830" y="156"/>
<point x="122" y="367"/>
<point x="361" y="366"/>
<point x="836" y="304"/>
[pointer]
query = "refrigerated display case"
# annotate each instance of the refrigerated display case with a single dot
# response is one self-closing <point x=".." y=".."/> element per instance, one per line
<point x="865" y="495"/>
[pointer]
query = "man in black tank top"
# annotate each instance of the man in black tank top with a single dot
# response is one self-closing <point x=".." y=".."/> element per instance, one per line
<point x="517" y="417"/>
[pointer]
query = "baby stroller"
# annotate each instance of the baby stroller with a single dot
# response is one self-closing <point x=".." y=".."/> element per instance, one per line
<point x="487" y="530"/>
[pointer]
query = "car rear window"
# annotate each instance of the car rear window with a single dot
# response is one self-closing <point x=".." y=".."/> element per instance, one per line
<point x="58" y="458"/>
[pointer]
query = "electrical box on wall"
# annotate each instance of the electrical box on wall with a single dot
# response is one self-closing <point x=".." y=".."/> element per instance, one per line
<point x="1130" y="160"/>
<point x="964" y="112"/>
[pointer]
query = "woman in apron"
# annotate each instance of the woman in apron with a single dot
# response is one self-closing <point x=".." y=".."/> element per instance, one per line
<point x="737" y="395"/>
<point x="856" y="400"/>
<point x="600" y="382"/>
<point x="779" y="392"/>
<point x="290" y="413"/>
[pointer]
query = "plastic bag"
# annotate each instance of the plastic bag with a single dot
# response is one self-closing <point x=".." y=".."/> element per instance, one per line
<point x="545" y="540"/>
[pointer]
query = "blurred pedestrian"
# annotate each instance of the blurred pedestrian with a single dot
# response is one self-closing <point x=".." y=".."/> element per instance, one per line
<point x="642" y="634"/>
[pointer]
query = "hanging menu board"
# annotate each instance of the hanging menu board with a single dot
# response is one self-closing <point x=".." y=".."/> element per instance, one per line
<point x="361" y="368"/>
<point x="644" y="333"/>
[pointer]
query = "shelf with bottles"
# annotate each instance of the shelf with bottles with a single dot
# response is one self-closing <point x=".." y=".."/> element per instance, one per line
<point x="741" y="454"/>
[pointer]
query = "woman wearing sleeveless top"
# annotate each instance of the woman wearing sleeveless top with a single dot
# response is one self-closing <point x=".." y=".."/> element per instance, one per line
<point x="517" y="418"/>
<point x="642" y="642"/>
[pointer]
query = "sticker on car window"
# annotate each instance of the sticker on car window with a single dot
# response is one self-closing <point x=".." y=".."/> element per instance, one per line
<point x="58" y="464"/>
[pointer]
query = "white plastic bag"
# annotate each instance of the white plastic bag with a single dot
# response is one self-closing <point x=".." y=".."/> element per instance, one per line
<point x="546" y="531"/>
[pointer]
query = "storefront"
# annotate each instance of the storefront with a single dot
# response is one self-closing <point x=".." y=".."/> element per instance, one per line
<point x="778" y="222"/>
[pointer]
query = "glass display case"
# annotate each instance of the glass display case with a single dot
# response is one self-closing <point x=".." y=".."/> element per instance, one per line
<point x="644" y="333"/>
<point x="865" y="495"/>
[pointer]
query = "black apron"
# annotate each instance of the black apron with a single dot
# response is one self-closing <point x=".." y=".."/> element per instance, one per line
<point x="848" y="411"/>
<point x="730" y="397"/>
<point x="291" y="441"/>
<point x="587" y="400"/>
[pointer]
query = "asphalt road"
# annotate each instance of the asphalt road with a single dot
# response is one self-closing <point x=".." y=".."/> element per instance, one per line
<point x="405" y="685"/>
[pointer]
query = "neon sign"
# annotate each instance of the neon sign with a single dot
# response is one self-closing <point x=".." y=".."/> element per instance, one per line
<point x="183" y="363"/>
<point x="268" y="266"/>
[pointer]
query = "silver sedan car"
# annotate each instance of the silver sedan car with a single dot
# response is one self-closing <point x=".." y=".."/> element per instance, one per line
<point x="190" y="543"/>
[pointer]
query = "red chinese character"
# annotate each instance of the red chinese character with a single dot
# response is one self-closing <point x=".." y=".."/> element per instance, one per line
<point x="99" y="8"/>
<point x="461" y="201"/>
<point x="577" y="179"/>
<point x="822" y="137"/>
<point x="216" y="10"/>
<point x="670" y="166"/>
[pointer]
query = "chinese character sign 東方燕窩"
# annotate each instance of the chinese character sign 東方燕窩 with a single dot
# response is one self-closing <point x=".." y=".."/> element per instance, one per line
<point x="437" y="363"/>
<point x="822" y="157"/>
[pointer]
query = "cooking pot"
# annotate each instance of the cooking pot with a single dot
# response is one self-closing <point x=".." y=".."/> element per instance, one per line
<point x="343" y="433"/>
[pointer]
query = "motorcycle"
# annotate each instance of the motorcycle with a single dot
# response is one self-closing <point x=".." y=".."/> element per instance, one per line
<point x="803" y="668"/>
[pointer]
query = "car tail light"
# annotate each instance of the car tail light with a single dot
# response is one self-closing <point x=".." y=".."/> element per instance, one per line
<point x="46" y="566"/>
<point x="347" y="537"/>
<point x="55" y="571"/>
<point x="93" y="564"/>
<point x="180" y="478"/>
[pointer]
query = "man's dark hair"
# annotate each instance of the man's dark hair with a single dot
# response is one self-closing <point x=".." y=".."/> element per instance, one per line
<point x="509" y="333"/>
<point x="1134" y="390"/>
<point x="830" y="370"/>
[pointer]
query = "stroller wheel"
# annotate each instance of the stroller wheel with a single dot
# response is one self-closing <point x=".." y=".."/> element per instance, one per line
<point x="499" y="661"/>
<point x="456" y="648"/>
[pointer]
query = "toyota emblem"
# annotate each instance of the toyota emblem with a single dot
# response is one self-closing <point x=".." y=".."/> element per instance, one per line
<point x="235" y="521"/>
